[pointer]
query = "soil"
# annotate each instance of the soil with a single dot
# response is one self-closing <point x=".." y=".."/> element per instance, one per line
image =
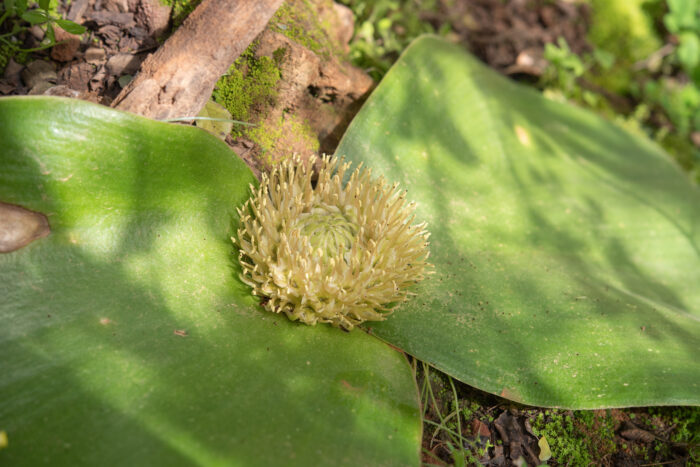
<point x="320" y="88"/>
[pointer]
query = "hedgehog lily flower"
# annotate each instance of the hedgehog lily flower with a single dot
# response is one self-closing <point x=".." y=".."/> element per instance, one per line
<point x="339" y="253"/>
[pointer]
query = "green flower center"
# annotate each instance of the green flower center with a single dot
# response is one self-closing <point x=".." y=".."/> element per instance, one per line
<point x="328" y="229"/>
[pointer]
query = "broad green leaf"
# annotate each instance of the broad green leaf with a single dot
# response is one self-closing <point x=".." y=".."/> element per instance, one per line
<point x="127" y="338"/>
<point x="566" y="250"/>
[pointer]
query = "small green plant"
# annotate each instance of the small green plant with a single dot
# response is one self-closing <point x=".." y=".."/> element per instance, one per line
<point x="566" y="69"/>
<point x="16" y="18"/>
<point x="680" y="96"/>
<point x="674" y="86"/>
<point x="384" y="28"/>
<point x="683" y="21"/>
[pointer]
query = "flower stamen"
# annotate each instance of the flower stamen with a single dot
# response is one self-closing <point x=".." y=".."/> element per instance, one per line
<point x="331" y="253"/>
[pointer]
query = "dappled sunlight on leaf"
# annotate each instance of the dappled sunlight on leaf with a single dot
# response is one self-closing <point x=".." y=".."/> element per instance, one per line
<point x="566" y="250"/>
<point x="129" y="337"/>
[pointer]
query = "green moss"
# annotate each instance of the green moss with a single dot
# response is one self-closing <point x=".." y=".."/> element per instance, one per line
<point x="8" y="51"/>
<point x="249" y="91"/>
<point x="576" y="438"/>
<point x="299" y="21"/>
<point x="276" y="138"/>
<point x="249" y="87"/>
<point x="686" y="421"/>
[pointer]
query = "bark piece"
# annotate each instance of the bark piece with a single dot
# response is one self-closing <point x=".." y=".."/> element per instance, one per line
<point x="178" y="79"/>
<point x="118" y="6"/>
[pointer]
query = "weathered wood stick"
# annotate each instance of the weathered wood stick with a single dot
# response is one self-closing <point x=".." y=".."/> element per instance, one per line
<point x="177" y="80"/>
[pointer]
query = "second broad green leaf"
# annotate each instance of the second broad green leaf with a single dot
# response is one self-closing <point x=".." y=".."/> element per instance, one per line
<point x="566" y="250"/>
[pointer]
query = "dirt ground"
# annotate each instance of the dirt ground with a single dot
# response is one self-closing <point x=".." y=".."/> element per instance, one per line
<point x="318" y="87"/>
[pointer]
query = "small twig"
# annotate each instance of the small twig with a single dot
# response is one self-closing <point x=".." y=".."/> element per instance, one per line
<point x="459" y="419"/>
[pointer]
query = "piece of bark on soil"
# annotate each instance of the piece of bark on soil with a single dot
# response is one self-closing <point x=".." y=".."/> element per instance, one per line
<point x="177" y="80"/>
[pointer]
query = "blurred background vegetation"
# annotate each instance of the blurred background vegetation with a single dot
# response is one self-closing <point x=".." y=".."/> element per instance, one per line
<point x="638" y="65"/>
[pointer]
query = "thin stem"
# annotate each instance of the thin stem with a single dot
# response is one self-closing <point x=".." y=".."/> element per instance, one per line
<point x="9" y="34"/>
<point x="42" y="47"/>
<point x="449" y="431"/>
<point x="4" y="17"/>
<point x="459" y="419"/>
<point x="213" y="119"/>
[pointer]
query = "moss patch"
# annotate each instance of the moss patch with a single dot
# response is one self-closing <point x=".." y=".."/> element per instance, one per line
<point x="249" y="87"/>
<point x="299" y="21"/>
<point x="578" y="437"/>
<point x="289" y="135"/>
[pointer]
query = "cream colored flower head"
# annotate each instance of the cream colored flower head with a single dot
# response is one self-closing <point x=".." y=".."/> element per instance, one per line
<point x="333" y="252"/>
